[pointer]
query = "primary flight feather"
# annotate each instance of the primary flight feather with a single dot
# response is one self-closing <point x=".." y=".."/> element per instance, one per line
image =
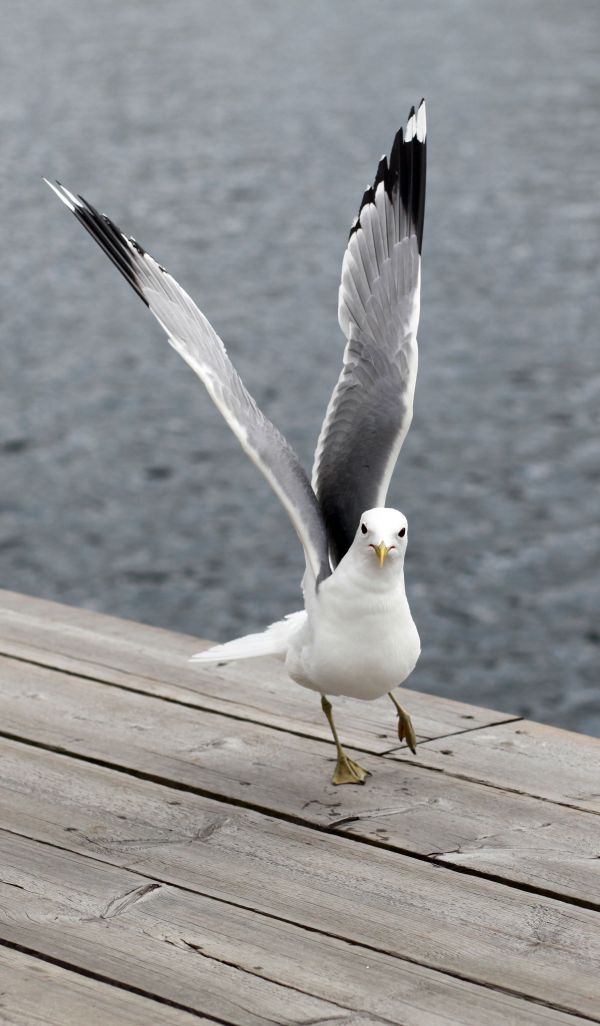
<point x="356" y="635"/>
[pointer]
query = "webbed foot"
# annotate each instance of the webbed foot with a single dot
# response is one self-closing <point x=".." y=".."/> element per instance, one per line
<point x="348" y="772"/>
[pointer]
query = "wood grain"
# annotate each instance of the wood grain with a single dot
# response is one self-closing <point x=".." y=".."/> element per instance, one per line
<point x="250" y="970"/>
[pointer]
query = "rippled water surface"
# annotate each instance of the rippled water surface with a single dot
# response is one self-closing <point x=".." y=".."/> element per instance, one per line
<point x="234" y="140"/>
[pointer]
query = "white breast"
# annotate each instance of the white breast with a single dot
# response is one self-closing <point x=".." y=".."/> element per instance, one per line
<point x="358" y="642"/>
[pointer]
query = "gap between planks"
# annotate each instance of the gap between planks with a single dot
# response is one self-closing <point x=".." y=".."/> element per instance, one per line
<point x="71" y="635"/>
<point x="395" y="753"/>
<point x="71" y="997"/>
<point x="117" y="985"/>
<point x="325" y="829"/>
<point x="199" y="835"/>
<point x="129" y="653"/>
<point x="529" y="1000"/>
<point x="204" y="1017"/>
<point x="119" y="721"/>
<point x="246" y="717"/>
<point x="394" y="750"/>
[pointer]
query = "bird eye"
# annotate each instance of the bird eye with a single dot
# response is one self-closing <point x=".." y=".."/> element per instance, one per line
<point x="363" y="528"/>
<point x="402" y="533"/>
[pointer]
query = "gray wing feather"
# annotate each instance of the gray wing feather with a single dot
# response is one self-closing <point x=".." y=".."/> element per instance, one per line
<point x="192" y="336"/>
<point x="370" y="410"/>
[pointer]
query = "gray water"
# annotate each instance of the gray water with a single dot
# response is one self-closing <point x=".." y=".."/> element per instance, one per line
<point x="234" y="140"/>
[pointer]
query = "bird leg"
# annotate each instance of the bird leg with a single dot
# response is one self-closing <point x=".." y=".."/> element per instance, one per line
<point x="406" y="731"/>
<point x="347" y="771"/>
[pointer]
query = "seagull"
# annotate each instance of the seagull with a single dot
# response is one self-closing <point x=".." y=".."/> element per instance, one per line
<point x="356" y="635"/>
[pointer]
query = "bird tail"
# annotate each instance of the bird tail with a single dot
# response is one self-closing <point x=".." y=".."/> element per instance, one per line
<point x="273" y="641"/>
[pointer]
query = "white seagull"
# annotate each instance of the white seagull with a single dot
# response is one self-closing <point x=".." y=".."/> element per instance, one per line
<point x="356" y="635"/>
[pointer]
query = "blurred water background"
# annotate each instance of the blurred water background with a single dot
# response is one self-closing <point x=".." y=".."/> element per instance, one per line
<point x="234" y="139"/>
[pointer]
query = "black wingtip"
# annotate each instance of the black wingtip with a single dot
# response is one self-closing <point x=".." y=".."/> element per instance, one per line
<point x="382" y="171"/>
<point x="403" y="173"/>
<point x="108" y="236"/>
<point x="368" y="197"/>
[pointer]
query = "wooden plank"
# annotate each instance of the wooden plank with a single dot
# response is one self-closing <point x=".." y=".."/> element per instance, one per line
<point x="156" y="662"/>
<point x="402" y="806"/>
<point x="243" y="968"/>
<point x="280" y="869"/>
<point x="38" y="993"/>
<point x="432" y="897"/>
<point x="117" y="925"/>
<point x="528" y="758"/>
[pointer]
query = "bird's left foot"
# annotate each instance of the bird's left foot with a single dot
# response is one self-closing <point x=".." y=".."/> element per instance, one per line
<point x="406" y="731"/>
<point x="348" y="772"/>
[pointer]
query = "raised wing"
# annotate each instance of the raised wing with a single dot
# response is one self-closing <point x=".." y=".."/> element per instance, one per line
<point x="370" y="410"/>
<point x="192" y="336"/>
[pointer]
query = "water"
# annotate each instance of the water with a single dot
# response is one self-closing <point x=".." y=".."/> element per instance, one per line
<point x="234" y="140"/>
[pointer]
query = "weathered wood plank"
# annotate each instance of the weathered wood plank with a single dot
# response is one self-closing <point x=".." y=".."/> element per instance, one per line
<point x="402" y="806"/>
<point x="119" y="926"/>
<point x="529" y="758"/>
<point x="425" y="906"/>
<point x="156" y="662"/>
<point x="278" y="868"/>
<point x="448" y="922"/>
<point x="243" y="968"/>
<point x="510" y="837"/>
<point x="38" y="993"/>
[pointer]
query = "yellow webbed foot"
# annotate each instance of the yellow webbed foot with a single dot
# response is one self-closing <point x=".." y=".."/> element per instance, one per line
<point x="348" y="772"/>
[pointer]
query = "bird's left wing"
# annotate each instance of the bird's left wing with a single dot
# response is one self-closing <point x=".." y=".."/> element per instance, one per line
<point x="371" y="407"/>
<point x="195" y="340"/>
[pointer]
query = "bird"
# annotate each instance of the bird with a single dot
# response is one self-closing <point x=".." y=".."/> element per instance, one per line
<point x="355" y="635"/>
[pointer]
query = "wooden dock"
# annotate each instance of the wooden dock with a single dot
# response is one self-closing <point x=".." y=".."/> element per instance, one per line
<point x="174" y="852"/>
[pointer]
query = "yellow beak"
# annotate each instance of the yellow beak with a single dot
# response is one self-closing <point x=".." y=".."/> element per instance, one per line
<point x="382" y="551"/>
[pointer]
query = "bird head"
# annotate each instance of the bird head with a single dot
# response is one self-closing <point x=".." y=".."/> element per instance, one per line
<point x="381" y="538"/>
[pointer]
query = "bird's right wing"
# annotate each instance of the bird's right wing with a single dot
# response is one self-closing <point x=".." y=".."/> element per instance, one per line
<point x="370" y="410"/>
<point x="195" y="340"/>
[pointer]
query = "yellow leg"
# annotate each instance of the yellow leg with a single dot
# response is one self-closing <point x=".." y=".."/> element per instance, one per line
<point x="346" y="771"/>
<point x="406" y="731"/>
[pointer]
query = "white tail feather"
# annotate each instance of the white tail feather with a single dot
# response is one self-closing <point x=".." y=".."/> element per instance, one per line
<point x="273" y="641"/>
